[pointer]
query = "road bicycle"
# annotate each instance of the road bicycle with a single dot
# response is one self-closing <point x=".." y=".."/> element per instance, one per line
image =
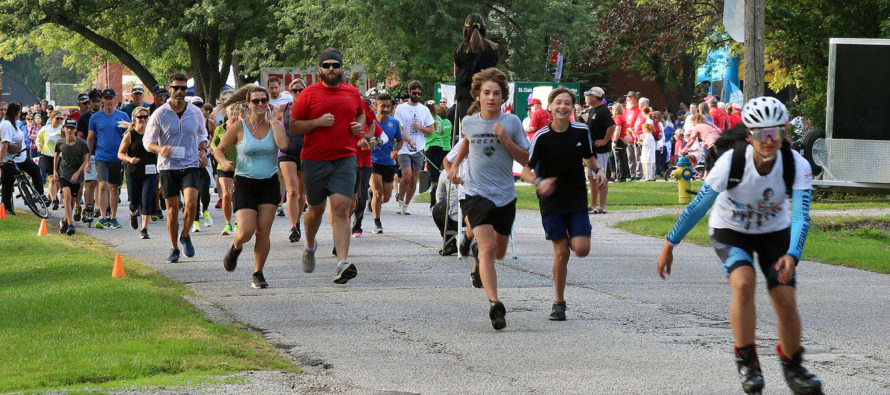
<point x="29" y="193"/>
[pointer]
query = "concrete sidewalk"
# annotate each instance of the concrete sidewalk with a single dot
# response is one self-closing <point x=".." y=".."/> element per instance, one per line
<point x="411" y="321"/>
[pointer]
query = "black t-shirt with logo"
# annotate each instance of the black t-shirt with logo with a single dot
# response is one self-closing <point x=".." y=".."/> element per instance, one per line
<point x="598" y="122"/>
<point x="560" y="154"/>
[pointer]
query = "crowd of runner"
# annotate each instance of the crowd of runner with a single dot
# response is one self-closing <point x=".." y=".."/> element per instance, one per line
<point x="301" y="150"/>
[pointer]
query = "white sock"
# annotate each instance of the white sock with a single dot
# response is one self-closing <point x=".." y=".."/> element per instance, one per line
<point x="313" y="248"/>
<point x="342" y="263"/>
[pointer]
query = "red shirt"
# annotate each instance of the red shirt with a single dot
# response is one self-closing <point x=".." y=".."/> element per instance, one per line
<point x="540" y="118"/>
<point x="735" y="119"/>
<point x="721" y="119"/>
<point x="364" y="155"/>
<point x="75" y="115"/>
<point x="632" y="115"/>
<point x="332" y="142"/>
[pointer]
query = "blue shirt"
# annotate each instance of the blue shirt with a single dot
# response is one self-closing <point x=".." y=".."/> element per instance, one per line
<point x="257" y="159"/>
<point x="380" y="153"/>
<point x="108" y="134"/>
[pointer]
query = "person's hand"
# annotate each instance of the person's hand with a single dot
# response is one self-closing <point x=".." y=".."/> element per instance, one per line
<point x="547" y="186"/>
<point x="202" y="158"/>
<point x="227" y="166"/>
<point x="134" y="161"/>
<point x="56" y="177"/>
<point x="416" y="126"/>
<point x="601" y="179"/>
<point x="355" y="127"/>
<point x="326" y="120"/>
<point x="498" y="131"/>
<point x="665" y="259"/>
<point x="453" y="177"/>
<point x="86" y="169"/>
<point x="394" y="155"/>
<point x="166" y="151"/>
<point x="363" y="144"/>
<point x="785" y="268"/>
<point x="412" y="145"/>
<point x="74" y="177"/>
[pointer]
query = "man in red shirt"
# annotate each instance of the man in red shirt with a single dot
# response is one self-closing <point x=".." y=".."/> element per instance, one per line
<point x="721" y="119"/>
<point x="329" y="115"/>
<point x="540" y="118"/>
<point x="634" y="117"/>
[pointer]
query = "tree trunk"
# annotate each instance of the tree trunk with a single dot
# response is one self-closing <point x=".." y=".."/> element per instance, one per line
<point x="754" y="63"/>
<point x="112" y="47"/>
<point x="687" y="79"/>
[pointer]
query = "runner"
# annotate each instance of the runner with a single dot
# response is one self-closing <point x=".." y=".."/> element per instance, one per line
<point x="363" y="175"/>
<point x="417" y="123"/>
<point x="177" y="134"/>
<point x="89" y="179"/>
<point x="749" y="217"/>
<point x="438" y="145"/>
<point x="556" y="155"/>
<point x="383" y="157"/>
<point x="291" y="165"/>
<point x="142" y="171"/>
<point x="12" y="149"/>
<point x="46" y="141"/>
<point x="257" y="141"/>
<point x="329" y="114"/>
<point x="205" y="174"/>
<point x="104" y="138"/>
<point x="70" y="163"/>
<point x="495" y="140"/>
<point x="226" y="179"/>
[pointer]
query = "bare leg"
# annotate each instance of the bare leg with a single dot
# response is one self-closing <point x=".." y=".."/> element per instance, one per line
<point x="486" y="239"/>
<point x="311" y="222"/>
<point x="742" y="314"/>
<point x="173" y="220"/>
<point x="340" y="224"/>
<point x="104" y="187"/>
<point x="114" y="195"/>
<point x="227" y="187"/>
<point x="190" y="197"/>
<point x="264" y="220"/>
<point x="560" y="267"/>
<point x="787" y="318"/>
<point x="407" y="185"/>
<point x="292" y="184"/>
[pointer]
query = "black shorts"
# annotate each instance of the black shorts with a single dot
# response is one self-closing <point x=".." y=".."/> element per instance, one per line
<point x="110" y="172"/>
<point x="225" y="174"/>
<point x="387" y="172"/>
<point x="292" y="158"/>
<point x="175" y="181"/>
<point x="75" y="188"/>
<point x="736" y="249"/>
<point x="481" y="211"/>
<point x="47" y="163"/>
<point x="250" y="193"/>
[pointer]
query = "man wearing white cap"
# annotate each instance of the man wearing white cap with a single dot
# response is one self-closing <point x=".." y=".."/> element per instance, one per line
<point x="138" y="100"/>
<point x="601" y="126"/>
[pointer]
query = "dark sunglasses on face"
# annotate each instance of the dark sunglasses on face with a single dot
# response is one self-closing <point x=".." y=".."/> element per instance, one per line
<point x="417" y="93"/>
<point x="142" y="117"/>
<point x="59" y="119"/>
<point x="179" y="88"/>
<point x="333" y="65"/>
<point x="297" y="91"/>
<point x="258" y="102"/>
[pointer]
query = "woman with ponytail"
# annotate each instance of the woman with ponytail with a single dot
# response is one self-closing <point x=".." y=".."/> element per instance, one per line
<point x="141" y="168"/>
<point x="474" y="54"/>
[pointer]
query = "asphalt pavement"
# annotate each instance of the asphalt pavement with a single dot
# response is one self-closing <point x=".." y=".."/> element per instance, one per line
<point x="412" y="323"/>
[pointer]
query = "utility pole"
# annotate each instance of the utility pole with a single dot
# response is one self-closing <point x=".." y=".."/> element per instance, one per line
<point x="754" y="60"/>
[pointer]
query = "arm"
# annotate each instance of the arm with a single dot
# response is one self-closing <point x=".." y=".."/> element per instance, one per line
<point x="56" y="158"/>
<point x="691" y="215"/>
<point x="298" y="126"/>
<point x="122" y="151"/>
<point x="280" y="136"/>
<point x="458" y="158"/>
<point x="150" y="138"/>
<point x="40" y="140"/>
<point x="84" y="166"/>
<point x="519" y="154"/>
<point x="427" y="130"/>
<point x="232" y="136"/>
<point x="91" y="140"/>
<point x="800" y="226"/>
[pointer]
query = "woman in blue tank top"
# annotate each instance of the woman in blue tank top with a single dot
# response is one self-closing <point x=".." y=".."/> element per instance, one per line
<point x="257" y="140"/>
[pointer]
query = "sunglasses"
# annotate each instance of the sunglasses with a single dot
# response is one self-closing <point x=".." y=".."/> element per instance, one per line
<point x="416" y="93"/>
<point x="333" y="65"/>
<point x="179" y="87"/>
<point x="297" y="91"/>
<point x="761" y="134"/>
<point x="142" y="117"/>
<point x="258" y="102"/>
<point x="59" y="119"/>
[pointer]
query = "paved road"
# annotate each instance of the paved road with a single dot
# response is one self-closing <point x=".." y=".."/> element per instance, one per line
<point x="411" y="322"/>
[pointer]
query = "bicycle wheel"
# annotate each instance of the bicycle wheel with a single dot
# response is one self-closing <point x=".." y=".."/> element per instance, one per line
<point x="667" y="173"/>
<point x="33" y="199"/>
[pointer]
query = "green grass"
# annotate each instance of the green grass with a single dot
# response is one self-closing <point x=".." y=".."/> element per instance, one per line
<point x="640" y="195"/>
<point x="65" y="323"/>
<point x="859" y="242"/>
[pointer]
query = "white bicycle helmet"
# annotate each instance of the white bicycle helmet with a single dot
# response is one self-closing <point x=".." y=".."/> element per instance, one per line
<point x="764" y="112"/>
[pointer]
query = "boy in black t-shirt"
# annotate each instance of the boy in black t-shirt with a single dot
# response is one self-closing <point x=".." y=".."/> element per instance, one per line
<point x="556" y="155"/>
<point x="72" y="161"/>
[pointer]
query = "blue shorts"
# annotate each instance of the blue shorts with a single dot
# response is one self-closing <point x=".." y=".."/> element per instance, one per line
<point x="562" y="226"/>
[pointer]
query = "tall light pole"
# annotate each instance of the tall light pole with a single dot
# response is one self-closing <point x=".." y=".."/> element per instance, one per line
<point x="754" y="59"/>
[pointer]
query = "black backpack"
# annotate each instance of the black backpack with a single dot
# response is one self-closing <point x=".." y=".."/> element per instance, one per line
<point x="735" y="139"/>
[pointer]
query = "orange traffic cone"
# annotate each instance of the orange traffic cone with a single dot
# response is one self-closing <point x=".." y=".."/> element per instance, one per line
<point x="42" y="230"/>
<point x="118" y="270"/>
<point x="2" y="211"/>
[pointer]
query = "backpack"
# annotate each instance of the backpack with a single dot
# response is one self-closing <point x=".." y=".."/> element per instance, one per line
<point x="735" y="139"/>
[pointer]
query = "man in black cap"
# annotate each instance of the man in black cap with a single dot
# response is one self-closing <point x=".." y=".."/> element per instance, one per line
<point x="105" y="138"/>
<point x="160" y="95"/>
<point x="72" y="161"/>
<point x="330" y="115"/>
<point x="138" y="96"/>
<point x="89" y="179"/>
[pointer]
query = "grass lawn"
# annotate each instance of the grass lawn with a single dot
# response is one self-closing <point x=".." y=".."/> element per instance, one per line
<point x="65" y="323"/>
<point x="860" y="242"/>
<point x="639" y="195"/>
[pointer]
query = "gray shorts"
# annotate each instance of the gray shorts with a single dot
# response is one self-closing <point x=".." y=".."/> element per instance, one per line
<point x="414" y="161"/>
<point x="603" y="160"/>
<point x="91" y="175"/>
<point x="325" y="178"/>
<point x="110" y="172"/>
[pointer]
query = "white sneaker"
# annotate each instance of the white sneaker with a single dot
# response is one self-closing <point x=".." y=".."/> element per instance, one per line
<point x="400" y="208"/>
<point x="405" y="210"/>
<point x="208" y="221"/>
<point x="196" y="227"/>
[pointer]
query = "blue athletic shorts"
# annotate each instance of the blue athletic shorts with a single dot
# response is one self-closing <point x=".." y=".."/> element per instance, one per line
<point x="562" y="226"/>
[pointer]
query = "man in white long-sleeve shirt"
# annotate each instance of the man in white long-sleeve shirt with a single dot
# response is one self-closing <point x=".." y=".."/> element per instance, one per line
<point x="177" y="133"/>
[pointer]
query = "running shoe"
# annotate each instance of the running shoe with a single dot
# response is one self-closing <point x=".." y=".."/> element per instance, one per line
<point x="356" y="234"/>
<point x="218" y="204"/>
<point x="230" y="261"/>
<point x="101" y="224"/>
<point x="405" y="209"/>
<point x="464" y="247"/>
<point x="227" y="230"/>
<point x="70" y="231"/>
<point x="144" y="234"/>
<point x="77" y="214"/>
<point x="308" y="261"/>
<point x="134" y="222"/>
<point x="174" y="256"/>
<point x="63" y="227"/>
<point x="189" y="247"/>
<point x="280" y="211"/>
<point x="88" y="214"/>
<point x="114" y="224"/>
<point x="55" y="204"/>
<point x="208" y="222"/>
<point x="497" y="313"/>
<point x="378" y="227"/>
<point x="345" y="273"/>
<point x="259" y="281"/>
<point x="474" y="275"/>
<point x="295" y="234"/>
<point x="196" y="226"/>
<point x="558" y="311"/>
<point x="399" y="208"/>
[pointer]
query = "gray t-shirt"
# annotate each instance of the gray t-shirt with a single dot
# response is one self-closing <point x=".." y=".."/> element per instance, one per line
<point x="71" y="158"/>
<point x="490" y="169"/>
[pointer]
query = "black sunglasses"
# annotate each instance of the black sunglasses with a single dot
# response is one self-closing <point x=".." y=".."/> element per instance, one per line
<point x="333" y="65"/>
<point x="297" y="91"/>
<point x="416" y="93"/>
<point x="179" y="87"/>
<point x="258" y="102"/>
<point x="60" y="119"/>
<point x="142" y="117"/>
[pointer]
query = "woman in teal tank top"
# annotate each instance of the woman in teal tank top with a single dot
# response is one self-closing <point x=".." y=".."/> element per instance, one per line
<point x="257" y="140"/>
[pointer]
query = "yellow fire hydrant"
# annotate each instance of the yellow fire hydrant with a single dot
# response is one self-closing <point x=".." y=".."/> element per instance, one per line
<point x="683" y="174"/>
